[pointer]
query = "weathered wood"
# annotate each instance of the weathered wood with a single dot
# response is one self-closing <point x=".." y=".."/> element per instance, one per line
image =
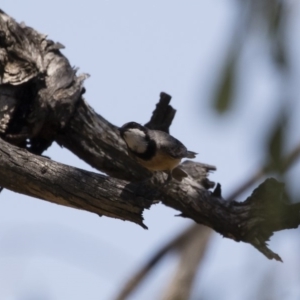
<point x="41" y="102"/>
<point x="38" y="87"/>
<point x="97" y="142"/>
<point x="45" y="179"/>
<point x="163" y="115"/>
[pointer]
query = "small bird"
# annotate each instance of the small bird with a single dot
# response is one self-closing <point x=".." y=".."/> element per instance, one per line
<point x="155" y="150"/>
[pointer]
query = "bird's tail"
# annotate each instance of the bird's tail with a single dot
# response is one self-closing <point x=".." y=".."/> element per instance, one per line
<point x="191" y="154"/>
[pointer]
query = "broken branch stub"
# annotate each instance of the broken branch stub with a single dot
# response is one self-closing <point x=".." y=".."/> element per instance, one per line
<point x="38" y="87"/>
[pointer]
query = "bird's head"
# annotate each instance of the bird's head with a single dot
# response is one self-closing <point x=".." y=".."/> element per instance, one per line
<point x="135" y="136"/>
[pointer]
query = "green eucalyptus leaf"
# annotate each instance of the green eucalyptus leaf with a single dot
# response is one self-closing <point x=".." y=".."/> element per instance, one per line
<point x="275" y="145"/>
<point x="223" y="100"/>
<point x="275" y="14"/>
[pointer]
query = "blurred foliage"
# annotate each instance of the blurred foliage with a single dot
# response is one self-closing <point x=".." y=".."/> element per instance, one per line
<point x="275" y="145"/>
<point x="266" y="20"/>
<point x="224" y="98"/>
<point x="258" y="17"/>
<point x="276" y="18"/>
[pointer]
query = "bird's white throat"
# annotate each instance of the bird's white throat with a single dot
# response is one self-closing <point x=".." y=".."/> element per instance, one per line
<point x="135" y="139"/>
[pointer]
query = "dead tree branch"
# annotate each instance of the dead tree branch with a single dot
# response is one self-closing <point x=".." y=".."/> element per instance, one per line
<point x="45" y="179"/>
<point x="41" y="102"/>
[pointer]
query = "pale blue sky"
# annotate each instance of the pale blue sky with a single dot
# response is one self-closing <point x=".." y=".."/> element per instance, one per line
<point x="133" y="50"/>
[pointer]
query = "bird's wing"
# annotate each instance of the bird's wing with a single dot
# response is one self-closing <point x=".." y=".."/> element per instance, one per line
<point x="169" y="144"/>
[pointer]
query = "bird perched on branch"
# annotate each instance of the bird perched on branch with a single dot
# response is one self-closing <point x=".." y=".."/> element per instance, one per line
<point x="155" y="150"/>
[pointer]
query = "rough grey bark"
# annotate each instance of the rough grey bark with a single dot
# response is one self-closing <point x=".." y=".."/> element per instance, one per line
<point x="45" y="179"/>
<point x="41" y="102"/>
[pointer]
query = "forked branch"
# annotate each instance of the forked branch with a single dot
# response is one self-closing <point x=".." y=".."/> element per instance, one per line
<point x="41" y="102"/>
